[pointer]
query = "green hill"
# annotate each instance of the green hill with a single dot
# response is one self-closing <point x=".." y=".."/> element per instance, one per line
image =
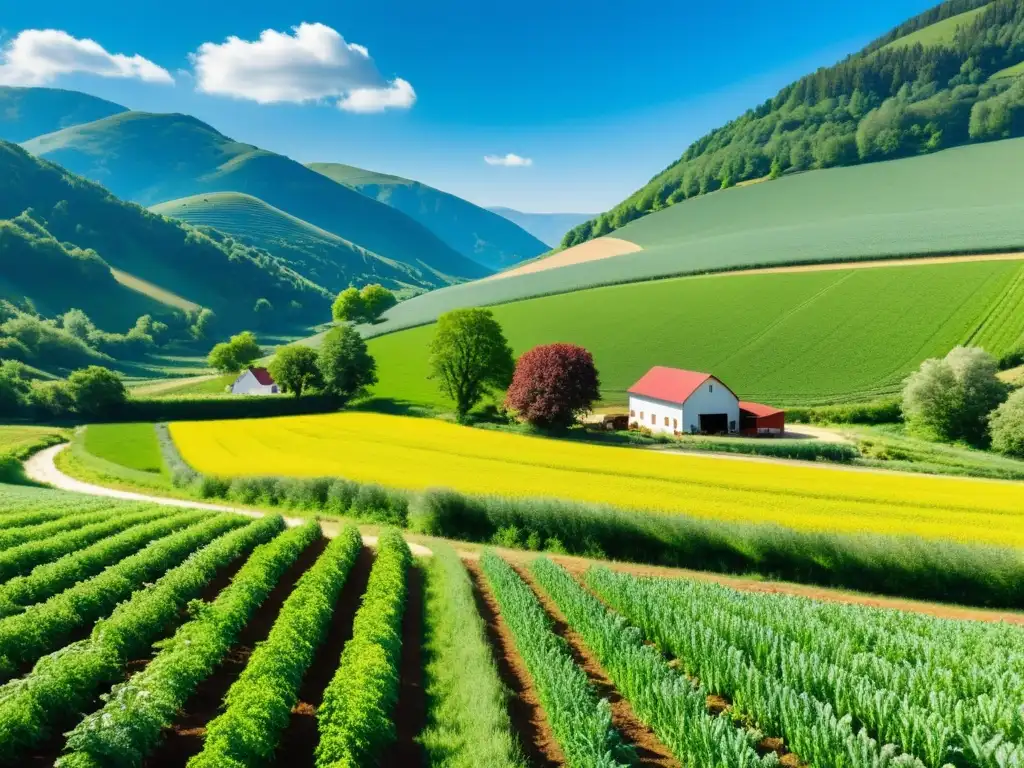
<point x="785" y="338"/>
<point x="322" y="256"/>
<point x="895" y="98"/>
<point x="475" y="232"/>
<point x="29" y="112"/>
<point x="549" y="228"/>
<point x="153" y="158"/>
<point x="98" y="232"/>
<point x="960" y="200"/>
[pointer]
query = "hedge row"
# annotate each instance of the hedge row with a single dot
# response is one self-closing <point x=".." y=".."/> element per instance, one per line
<point x="878" y="412"/>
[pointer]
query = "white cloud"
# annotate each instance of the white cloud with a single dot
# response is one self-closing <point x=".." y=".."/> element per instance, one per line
<point x="508" y="160"/>
<point x="314" y="63"/>
<point x="39" y="56"/>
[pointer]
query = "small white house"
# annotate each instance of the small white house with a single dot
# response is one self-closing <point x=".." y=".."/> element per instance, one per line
<point x="255" y="381"/>
<point x="673" y="401"/>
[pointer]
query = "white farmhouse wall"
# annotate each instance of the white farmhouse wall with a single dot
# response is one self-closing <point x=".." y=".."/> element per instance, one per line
<point x="247" y="384"/>
<point x="655" y="412"/>
<point x="711" y="397"/>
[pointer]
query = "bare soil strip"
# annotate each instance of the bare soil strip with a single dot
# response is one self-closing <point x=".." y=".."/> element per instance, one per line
<point x="411" y="710"/>
<point x="299" y="741"/>
<point x="650" y="752"/>
<point x="592" y="250"/>
<point x="524" y="708"/>
<point x="47" y="753"/>
<point x="185" y="737"/>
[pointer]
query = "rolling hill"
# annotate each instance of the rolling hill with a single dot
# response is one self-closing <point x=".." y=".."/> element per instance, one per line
<point x="153" y="158"/>
<point x="93" y="231"/>
<point x="476" y="233"/>
<point x="959" y="200"/>
<point x="29" y="112"/>
<point x="925" y="86"/>
<point x="322" y="256"/>
<point x="795" y="338"/>
<point x="549" y="228"/>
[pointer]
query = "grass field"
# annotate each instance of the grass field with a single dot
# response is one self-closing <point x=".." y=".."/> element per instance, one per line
<point x="786" y="339"/>
<point x="940" y="33"/>
<point x="423" y="453"/>
<point x="1009" y="72"/>
<point x="130" y="445"/>
<point x="20" y="440"/>
<point x="958" y="200"/>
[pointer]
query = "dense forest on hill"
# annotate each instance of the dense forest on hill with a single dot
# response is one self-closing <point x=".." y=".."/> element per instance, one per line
<point x="878" y="104"/>
<point x="63" y="226"/>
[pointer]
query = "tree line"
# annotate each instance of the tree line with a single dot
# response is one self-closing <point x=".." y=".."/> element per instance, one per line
<point x="879" y="104"/>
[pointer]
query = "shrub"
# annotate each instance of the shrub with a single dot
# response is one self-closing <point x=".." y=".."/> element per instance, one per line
<point x="1007" y="425"/>
<point x="879" y="412"/>
<point x="97" y="391"/>
<point x="952" y="397"/>
<point x="553" y="385"/>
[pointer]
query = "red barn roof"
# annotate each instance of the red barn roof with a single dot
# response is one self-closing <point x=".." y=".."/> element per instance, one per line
<point x="673" y="385"/>
<point x="761" y="411"/>
<point x="262" y="376"/>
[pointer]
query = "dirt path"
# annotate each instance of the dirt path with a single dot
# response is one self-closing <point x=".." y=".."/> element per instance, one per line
<point x="299" y="740"/>
<point x="650" y="752"/>
<point x="41" y="468"/>
<point x="524" y="708"/>
<point x="410" y="714"/>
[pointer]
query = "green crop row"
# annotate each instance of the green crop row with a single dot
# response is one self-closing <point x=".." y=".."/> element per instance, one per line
<point x="126" y="729"/>
<point x="49" y="579"/>
<point x="64" y="683"/>
<point x="957" y="702"/>
<point x="468" y="721"/>
<point x="26" y="532"/>
<point x="821" y="732"/>
<point x="355" y="718"/>
<point x="22" y="511"/>
<point x="581" y="723"/>
<point x="19" y="560"/>
<point x="673" y="707"/>
<point x="258" y="706"/>
<point x="46" y="626"/>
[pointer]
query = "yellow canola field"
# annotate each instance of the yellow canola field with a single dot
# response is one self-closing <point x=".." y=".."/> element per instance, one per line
<point x="417" y="453"/>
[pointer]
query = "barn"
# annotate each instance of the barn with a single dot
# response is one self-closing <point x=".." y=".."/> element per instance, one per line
<point x="255" y="381"/>
<point x="757" y="419"/>
<point x="674" y="401"/>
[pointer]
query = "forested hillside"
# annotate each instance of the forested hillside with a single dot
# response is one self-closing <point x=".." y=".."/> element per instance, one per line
<point x="884" y="102"/>
<point x="323" y="257"/>
<point x="74" y="231"/>
<point x="29" y="112"/>
<point x="475" y="232"/>
<point x="153" y="158"/>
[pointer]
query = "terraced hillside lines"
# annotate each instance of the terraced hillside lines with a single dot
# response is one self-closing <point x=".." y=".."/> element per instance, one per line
<point x="908" y="207"/>
<point x="322" y="256"/>
<point x="796" y="666"/>
<point x="786" y="339"/>
<point x="417" y="454"/>
<point x="151" y="158"/>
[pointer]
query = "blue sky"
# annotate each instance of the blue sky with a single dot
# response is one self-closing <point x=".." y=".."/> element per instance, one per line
<point x="599" y="96"/>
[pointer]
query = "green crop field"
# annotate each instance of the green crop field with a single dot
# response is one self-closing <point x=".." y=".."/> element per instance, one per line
<point x="959" y="200"/>
<point x="130" y="445"/>
<point x="785" y="338"/>
<point x="940" y="33"/>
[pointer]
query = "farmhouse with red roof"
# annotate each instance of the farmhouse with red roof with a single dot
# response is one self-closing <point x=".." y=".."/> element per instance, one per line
<point x="674" y="401"/>
<point x="255" y="381"/>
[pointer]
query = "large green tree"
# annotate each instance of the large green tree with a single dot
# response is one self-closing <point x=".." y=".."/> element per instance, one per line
<point x="346" y="366"/>
<point x="469" y="356"/>
<point x="295" y="369"/>
<point x="97" y="391"/>
<point x="241" y="351"/>
<point x="1007" y="425"/>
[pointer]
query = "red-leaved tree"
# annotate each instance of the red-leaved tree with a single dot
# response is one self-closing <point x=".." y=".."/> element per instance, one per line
<point x="553" y="385"/>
